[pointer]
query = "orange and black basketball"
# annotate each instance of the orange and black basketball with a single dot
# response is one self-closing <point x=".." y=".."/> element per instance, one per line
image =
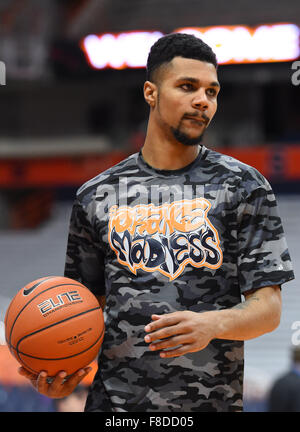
<point x="54" y="323"/>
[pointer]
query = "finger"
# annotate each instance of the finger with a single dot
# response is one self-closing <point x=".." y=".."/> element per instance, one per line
<point x="29" y="375"/>
<point x="167" y="332"/>
<point x="41" y="383"/>
<point x="162" y="321"/>
<point x="169" y="343"/>
<point x="25" y="373"/>
<point x="55" y="386"/>
<point x="77" y="377"/>
<point x="184" y="349"/>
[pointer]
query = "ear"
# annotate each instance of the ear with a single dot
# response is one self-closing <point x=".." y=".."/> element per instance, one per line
<point x="150" y="93"/>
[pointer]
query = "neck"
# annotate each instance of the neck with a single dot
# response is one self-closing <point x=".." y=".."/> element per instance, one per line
<point x="164" y="154"/>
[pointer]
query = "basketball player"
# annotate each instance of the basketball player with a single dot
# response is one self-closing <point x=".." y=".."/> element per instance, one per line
<point x="183" y="246"/>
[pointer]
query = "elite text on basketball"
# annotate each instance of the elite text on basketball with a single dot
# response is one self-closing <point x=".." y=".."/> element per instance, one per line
<point x="60" y="300"/>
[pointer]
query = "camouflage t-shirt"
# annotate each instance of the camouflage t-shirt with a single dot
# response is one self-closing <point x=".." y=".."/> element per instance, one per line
<point x="156" y="241"/>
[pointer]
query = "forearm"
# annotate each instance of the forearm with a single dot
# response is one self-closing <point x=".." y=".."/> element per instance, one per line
<point x="183" y="332"/>
<point x="259" y="314"/>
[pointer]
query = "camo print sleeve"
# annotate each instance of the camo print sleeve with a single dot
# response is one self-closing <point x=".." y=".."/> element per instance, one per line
<point x="85" y="260"/>
<point x="263" y="257"/>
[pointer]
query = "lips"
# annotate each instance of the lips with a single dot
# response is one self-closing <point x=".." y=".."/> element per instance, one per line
<point x="201" y="120"/>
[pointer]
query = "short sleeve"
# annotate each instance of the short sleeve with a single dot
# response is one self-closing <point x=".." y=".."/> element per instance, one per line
<point x="263" y="256"/>
<point x="84" y="258"/>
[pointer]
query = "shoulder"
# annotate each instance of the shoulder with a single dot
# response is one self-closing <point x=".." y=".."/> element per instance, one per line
<point x="108" y="177"/>
<point x="289" y="378"/>
<point x="232" y="170"/>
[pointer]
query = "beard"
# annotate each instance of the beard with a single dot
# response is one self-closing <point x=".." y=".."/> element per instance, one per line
<point x="184" y="139"/>
<point x="178" y="134"/>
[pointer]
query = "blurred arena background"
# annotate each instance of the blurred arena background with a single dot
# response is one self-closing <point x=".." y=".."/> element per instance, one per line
<point x="68" y="113"/>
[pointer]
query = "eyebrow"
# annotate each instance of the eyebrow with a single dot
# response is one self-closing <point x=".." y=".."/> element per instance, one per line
<point x="196" y="81"/>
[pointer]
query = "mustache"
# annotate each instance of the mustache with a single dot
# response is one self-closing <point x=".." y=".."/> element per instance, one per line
<point x="203" y="117"/>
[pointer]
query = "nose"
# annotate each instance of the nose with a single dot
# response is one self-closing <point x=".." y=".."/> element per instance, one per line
<point x="200" y="100"/>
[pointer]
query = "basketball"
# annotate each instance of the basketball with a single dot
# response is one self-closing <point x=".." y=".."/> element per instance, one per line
<point x="54" y="323"/>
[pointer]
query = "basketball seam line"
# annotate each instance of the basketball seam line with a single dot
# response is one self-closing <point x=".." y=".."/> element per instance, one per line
<point x="52" y="325"/>
<point x="11" y="303"/>
<point x="19" y="313"/>
<point x="62" y="358"/>
<point x="45" y="328"/>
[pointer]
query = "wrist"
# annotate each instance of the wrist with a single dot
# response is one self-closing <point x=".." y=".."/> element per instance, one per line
<point x="223" y="321"/>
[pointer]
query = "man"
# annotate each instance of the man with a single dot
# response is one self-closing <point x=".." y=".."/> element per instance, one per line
<point x="284" y="395"/>
<point x="170" y="239"/>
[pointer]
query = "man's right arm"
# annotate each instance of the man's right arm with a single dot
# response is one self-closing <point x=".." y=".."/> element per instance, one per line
<point x="81" y="249"/>
<point x="58" y="386"/>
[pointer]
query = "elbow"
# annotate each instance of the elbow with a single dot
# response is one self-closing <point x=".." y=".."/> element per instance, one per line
<point x="277" y="319"/>
<point x="274" y="322"/>
<point x="275" y="316"/>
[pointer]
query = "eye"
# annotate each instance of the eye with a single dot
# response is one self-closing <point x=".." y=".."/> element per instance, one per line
<point x="211" y="92"/>
<point x="187" y="87"/>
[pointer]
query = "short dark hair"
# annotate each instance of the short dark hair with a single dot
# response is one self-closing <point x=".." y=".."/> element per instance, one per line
<point x="178" y="45"/>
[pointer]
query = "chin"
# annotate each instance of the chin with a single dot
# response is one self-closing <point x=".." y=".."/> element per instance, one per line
<point x="185" y="139"/>
<point x="190" y="144"/>
<point x="189" y="141"/>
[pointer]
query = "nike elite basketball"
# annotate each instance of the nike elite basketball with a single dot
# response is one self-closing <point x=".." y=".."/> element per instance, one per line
<point x="54" y="324"/>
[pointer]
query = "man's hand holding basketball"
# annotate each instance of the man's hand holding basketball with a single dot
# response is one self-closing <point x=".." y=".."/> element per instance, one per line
<point x="59" y="386"/>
